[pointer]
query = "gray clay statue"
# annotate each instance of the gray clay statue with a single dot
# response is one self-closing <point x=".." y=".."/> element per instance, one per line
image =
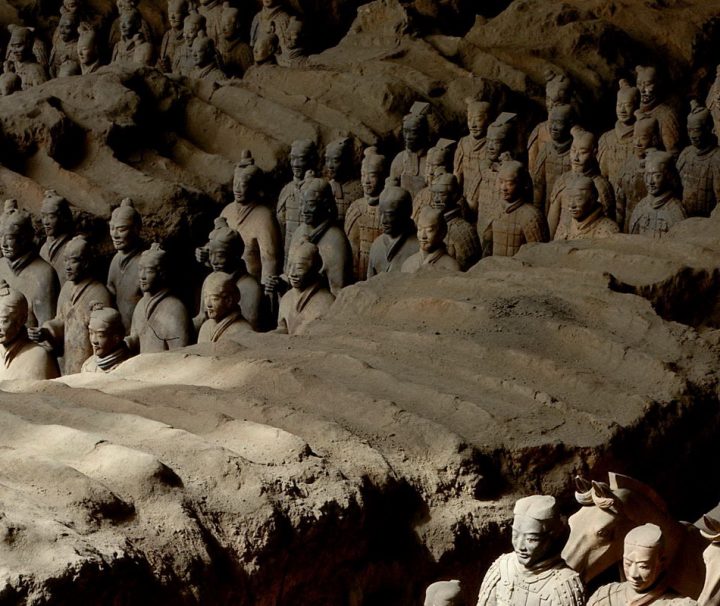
<point x="409" y="165"/>
<point x="221" y="301"/>
<point x="106" y="333"/>
<point x="431" y="234"/>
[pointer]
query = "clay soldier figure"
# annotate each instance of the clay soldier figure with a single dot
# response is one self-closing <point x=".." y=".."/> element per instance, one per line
<point x="303" y="158"/>
<point x="713" y="101"/>
<point x="652" y="107"/>
<point x="221" y="300"/>
<point x="65" y="45"/>
<point x="437" y="162"/>
<point x="615" y="147"/>
<point x="67" y="332"/>
<point x="183" y="63"/>
<point x="307" y="299"/>
<point x="338" y="168"/>
<point x="178" y="10"/>
<point x="212" y="11"/>
<point x="409" y="165"/>
<point x="362" y="221"/>
<point x="534" y="573"/>
<point x="582" y="162"/>
<point x="462" y="240"/>
<point x="398" y="240"/>
<point x="160" y="321"/>
<point x="23" y="269"/>
<point x="644" y="564"/>
<point x="554" y="156"/>
<point x="106" y="333"/>
<point x="444" y="593"/>
<point x="205" y="60"/>
<point x="520" y="222"/>
<point x="266" y="47"/>
<point x="122" y="282"/>
<point x="271" y="18"/>
<point x="87" y="51"/>
<point x="471" y="149"/>
<point x="699" y="165"/>
<point x="293" y="54"/>
<point x="133" y="49"/>
<point x="257" y="227"/>
<point x="57" y="221"/>
<point x="657" y="212"/>
<point x="431" y="234"/>
<point x="558" y="91"/>
<point x="223" y="253"/>
<point x="630" y="187"/>
<point x="236" y="54"/>
<point x="116" y="27"/>
<point x="20" y="57"/>
<point x="20" y="358"/>
<point x="586" y="212"/>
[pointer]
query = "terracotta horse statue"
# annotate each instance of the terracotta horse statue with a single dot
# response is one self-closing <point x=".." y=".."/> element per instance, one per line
<point x="610" y="510"/>
<point x="710" y="595"/>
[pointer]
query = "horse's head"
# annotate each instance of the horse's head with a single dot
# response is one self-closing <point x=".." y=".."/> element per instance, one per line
<point x="711" y="590"/>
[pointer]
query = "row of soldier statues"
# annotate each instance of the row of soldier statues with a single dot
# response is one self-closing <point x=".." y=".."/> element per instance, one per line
<point x="204" y="41"/>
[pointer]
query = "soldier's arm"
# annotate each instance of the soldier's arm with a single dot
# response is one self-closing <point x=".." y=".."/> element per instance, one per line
<point x="602" y="155"/>
<point x="571" y="592"/>
<point x="620" y="206"/>
<point x="458" y="165"/>
<point x="270" y="244"/>
<point x="487" y="240"/>
<point x="716" y="182"/>
<point x="538" y="179"/>
<point x="338" y="267"/>
<point x="536" y="230"/>
<point x="486" y="596"/>
<point x="555" y="207"/>
<point x="181" y="331"/>
<point x="670" y="133"/>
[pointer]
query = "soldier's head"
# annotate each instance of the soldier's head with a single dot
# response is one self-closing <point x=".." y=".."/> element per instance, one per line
<point x="20" y="44"/>
<point x="55" y="214"/>
<point x="444" y="593"/>
<point x="221" y="297"/>
<point x="192" y="26"/>
<point x="644" y="557"/>
<point x="203" y="51"/>
<point x="247" y="182"/>
<point x="125" y="225"/>
<point x="270" y="3"/>
<point x="304" y="265"/>
<point x="627" y="102"/>
<point x="294" y="33"/>
<point x="87" y="47"/>
<point x="338" y="158"/>
<point x="13" y="313"/>
<point x="177" y="11"/>
<point x="225" y="247"/>
<point x="78" y="259"/>
<point x="647" y="84"/>
<point x="659" y="172"/>
<point x="431" y="229"/>
<point x="582" y="197"/>
<point x="303" y="157"/>
<point x="499" y="136"/>
<point x="478" y="117"/>
<point x="395" y="209"/>
<point x="561" y="119"/>
<point x="699" y="126"/>
<point x="646" y="135"/>
<point x="445" y="192"/>
<point x="318" y="202"/>
<point x="372" y="171"/>
<point x="583" y="150"/>
<point x="105" y="329"/>
<point x="68" y="26"/>
<point x="438" y="160"/>
<point x="152" y="270"/>
<point x="537" y="528"/>
<point x="513" y="179"/>
<point x="558" y="89"/>
<point x="415" y="128"/>
<point x="266" y="45"/>
<point x="230" y="22"/>
<point x="130" y="21"/>
<point x="17" y="232"/>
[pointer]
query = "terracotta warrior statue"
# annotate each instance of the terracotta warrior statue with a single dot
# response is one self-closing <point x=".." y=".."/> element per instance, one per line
<point x="67" y="332"/>
<point x="462" y="241"/>
<point x="520" y="222"/>
<point x="106" y="333"/>
<point x="398" y="240"/>
<point x="630" y="186"/>
<point x="534" y="573"/>
<point x="160" y="321"/>
<point x="362" y="221"/>
<point x="554" y="156"/>
<point x="133" y="49"/>
<point x="558" y="91"/>
<point x="272" y="17"/>
<point x="582" y="162"/>
<point x="221" y="301"/>
<point x="699" y="165"/>
<point x="444" y="593"/>
<point x="437" y="162"/>
<point x="652" y="106"/>
<point x="587" y="218"/>
<point x="223" y="253"/>
<point x="21" y="59"/>
<point x="307" y="299"/>
<point x="713" y="101"/>
<point x="320" y="227"/>
<point x="122" y="281"/>
<point x="116" y="28"/>
<point x="409" y="165"/>
<point x="236" y="54"/>
<point x="205" y="60"/>
<point x="20" y="358"/>
<point x="615" y="147"/>
<point x="339" y="168"/>
<point x="303" y="158"/>
<point x="178" y="10"/>
<point x="57" y="221"/>
<point x="645" y="566"/>
<point x="657" y="212"/>
<point x="212" y="11"/>
<point x="431" y="234"/>
<point x="87" y="50"/>
<point x="266" y="47"/>
<point x="183" y="62"/>
<point x="470" y="151"/>
<point x="293" y="54"/>
<point x="23" y="269"/>
<point x="65" y="44"/>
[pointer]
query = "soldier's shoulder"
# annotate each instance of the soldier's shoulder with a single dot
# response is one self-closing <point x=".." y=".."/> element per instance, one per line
<point x="603" y="595"/>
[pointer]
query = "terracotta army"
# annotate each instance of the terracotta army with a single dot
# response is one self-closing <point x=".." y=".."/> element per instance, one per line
<point x="236" y="54"/>
<point x="338" y="168"/>
<point x="20" y="57"/>
<point x="88" y="51"/>
<point x="116" y="27"/>
<point x="205" y="60"/>
<point x="133" y="49"/>
<point x="431" y="234"/>
<point x="106" y="333"/>
<point x="644" y="565"/>
<point x="271" y="18"/>
<point x="293" y="54"/>
<point x="23" y="269"/>
<point x="160" y="321"/>
<point x="20" y="358"/>
<point x="223" y="253"/>
<point x="630" y="187"/>
<point x="615" y="147"/>
<point x="582" y="162"/>
<point x="437" y="162"/>
<point x="558" y="91"/>
<point x="587" y="213"/>
<point x="699" y="165"/>
<point x="178" y="10"/>
<point x="221" y="301"/>
<point x="266" y="47"/>
<point x="257" y="227"/>
<point x="303" y="157"/>
<point x="398" y="240"/>
<point x="713" y="101"/>
<point x="362" y="221"/>
<point x="57" y="221"/>
<point x="462" y="241"/>
<point x="553" y="157"/>
<point x="122" y="281"/>
<point x="534" y="572"/>
<point x="657" y="212"/>
<point x="520" y="222"/>
<point x="651" y="106"/>
<point x="307" y="299"/>
<point x="444" y="593"/>
<point x="193" y="26"/>
<point x="409" y="165"/>
<point x="212" y="11"/>
<point x="65" y="45"/>
<point x="67" y="332"/>
<point x="470" y="151"/>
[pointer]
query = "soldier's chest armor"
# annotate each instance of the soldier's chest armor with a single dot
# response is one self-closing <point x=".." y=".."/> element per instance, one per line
<point x="697" y="179"/>
<point x="519" y="592"/>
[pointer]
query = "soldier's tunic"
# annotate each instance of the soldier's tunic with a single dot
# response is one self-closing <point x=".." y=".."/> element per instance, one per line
<point x="134" y="52"/>
<point x="596" y="225"/>
<point x="53" y="251"/>
<point x="488" y="204"/>
<point x="345" y="193"/>
<point x="299" y="307"/>
<point x="438" y="259"/>
<point x="622" y="594"/>
<point x="30" y="73"/>
<point x="36" y="279"/>
<point x="23" y="359"/>
<point x="160" y="322"/>
<point x="123" y="284"/>
<point x="655" y="216"/>
<point x="462" y="241"/>
<point x="172" y="40"/>
<point x="288" y="211"/>
<point x="236" y="56"/>
<point x="389" y="254"/>
<point x="713" y="103"/>
<point x="231" y="326"/>
<point x="409" y="167"/>
<point x="61" y="52"/>
<point x="212" y="11"/>
<point x="362" y="227"/>
<point x="667" y="119"/>
<point x="469" y="156"/>
<point x="107" y="363"/>
<point x="629" y="190"/>
<point x="700" y="176"/>
<point x="275" y="17"/>
<point x="553" y="160"/>
<point x="615" y="148"/>
<point x="551" y="583"/>
<point x="519" y="224"/>
<point x="539" y="136"/>
<point x="250" y="299"/>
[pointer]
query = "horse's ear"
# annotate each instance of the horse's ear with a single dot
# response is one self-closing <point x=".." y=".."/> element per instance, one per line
<point x="583" y="491"/>
<point x="603" y="490"/>
<point x="582" y="485"/>
<point x="604" y="497"/>
<point x="713" y="533"/>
